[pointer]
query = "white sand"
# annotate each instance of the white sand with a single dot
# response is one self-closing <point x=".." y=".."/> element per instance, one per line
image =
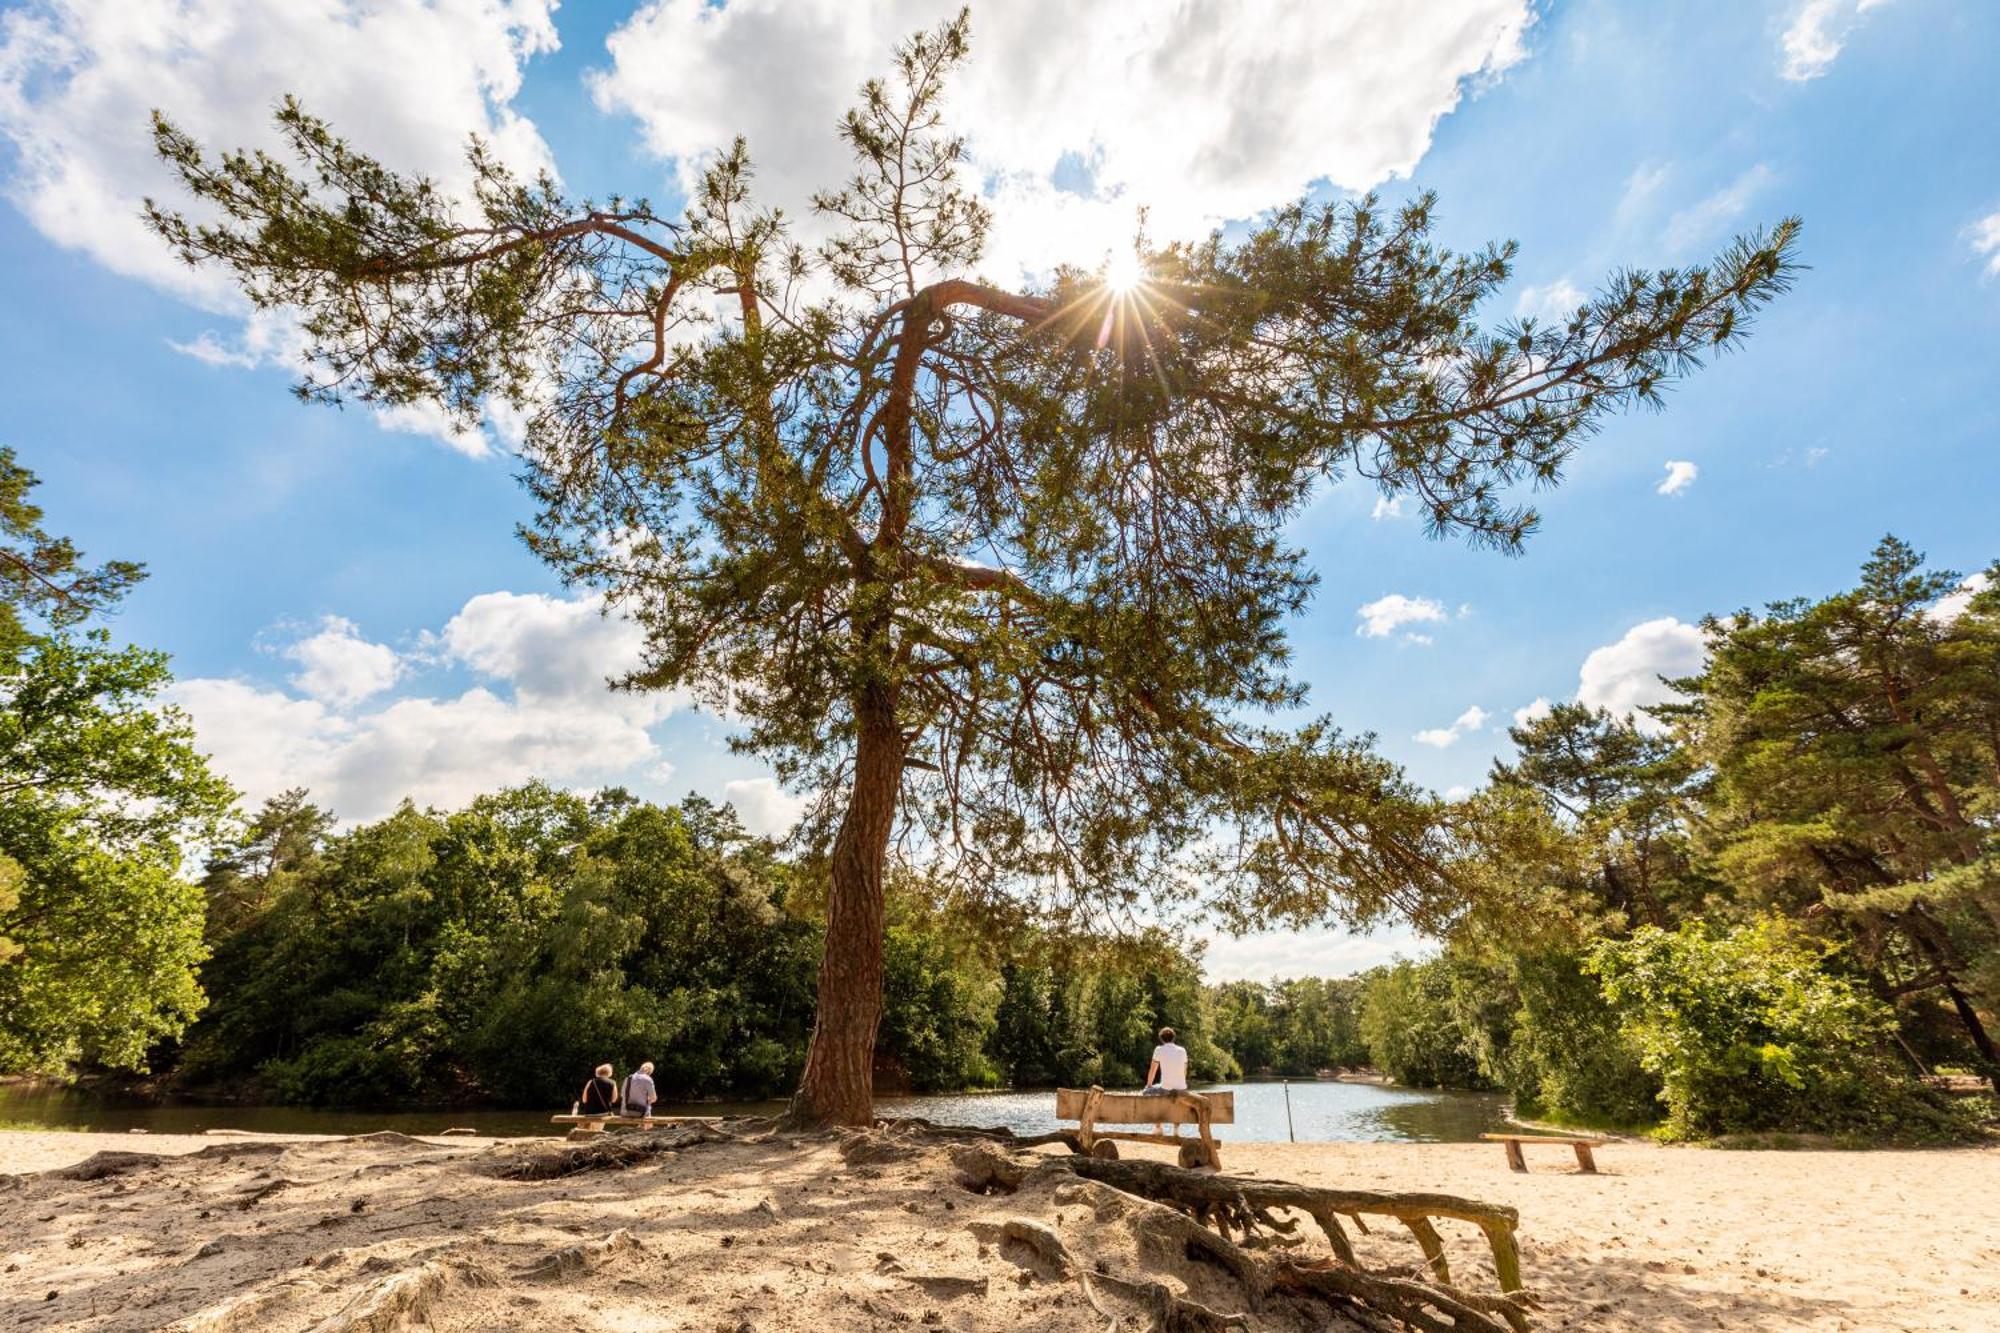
<point x="788" y="1236"/>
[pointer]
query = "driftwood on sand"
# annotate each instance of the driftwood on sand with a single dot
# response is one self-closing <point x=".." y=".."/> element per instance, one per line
<point x="1196" y="1212"/>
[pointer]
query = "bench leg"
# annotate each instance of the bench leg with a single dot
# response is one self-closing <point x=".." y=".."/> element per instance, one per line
<point x="1584" y="1158"/>
<point x="1515" y="1161"/>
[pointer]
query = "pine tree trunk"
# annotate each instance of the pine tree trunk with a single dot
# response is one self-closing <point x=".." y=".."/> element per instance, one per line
<point x="838" y="1084"/>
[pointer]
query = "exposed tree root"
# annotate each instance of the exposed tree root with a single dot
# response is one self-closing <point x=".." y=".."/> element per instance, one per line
<point x="608" y="1154"/>
<point x="585" y="1257"/>
<point x="393" y="1303"/>
<point x="248" y="1310"/>
<point x="116" y="1162"/>
<point x="892" y="1140"/>
<point x="1194" y="1214"/>
<point x="101" y="1164"/>
<point x="1171" y="1312"/>
<point x="933" y="1133"/>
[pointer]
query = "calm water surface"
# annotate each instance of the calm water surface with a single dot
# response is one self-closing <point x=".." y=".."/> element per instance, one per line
<point x="1319" y="1111"/>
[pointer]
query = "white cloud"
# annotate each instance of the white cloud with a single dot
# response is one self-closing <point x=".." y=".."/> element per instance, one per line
<point x="764" y="807"/>
<point x="1387" y="506"/>
<point x="1624" y="677"/>
<point x="211" y="349"/>
<point x="1385" y="615"/>
<point x="1471" y="720"/>
<point x="78" y="81"/>
<point x="433" y="422"/>
<point x="1640" y="189"/>
<point x="542" y="709"/>
<point x="1680" y="475"/>
<point x="1704" y="221"/>
<point x="1954" y="603"/>
<point x="265" y="338"/>
<point x="1199" y="112"/>
<point x="1552" y="302"/>
<point x="1985" y="237"/>
<point x="1816" y="34"/>
<point x="339" y="667"/>
<point x="1532" y="712"/>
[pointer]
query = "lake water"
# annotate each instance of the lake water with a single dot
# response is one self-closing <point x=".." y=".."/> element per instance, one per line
<point x="1319" y="1112"/>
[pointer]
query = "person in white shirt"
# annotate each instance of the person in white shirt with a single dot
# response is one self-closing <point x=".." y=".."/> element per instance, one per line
<point x="639" y="1092"/>
<point x="1168" y="1072"/>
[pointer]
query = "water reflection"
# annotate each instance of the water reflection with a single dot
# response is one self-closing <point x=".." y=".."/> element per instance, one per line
<point x="1319" y="1112"/>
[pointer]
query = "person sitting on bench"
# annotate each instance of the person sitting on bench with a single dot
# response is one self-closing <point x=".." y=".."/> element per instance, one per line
<point x="1168" y="1072"/>
<point x="600" y="1095"/>
<point x="639" y="1092"/>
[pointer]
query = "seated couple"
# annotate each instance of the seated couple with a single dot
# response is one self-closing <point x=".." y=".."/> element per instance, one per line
<point x="602" y="1096"/>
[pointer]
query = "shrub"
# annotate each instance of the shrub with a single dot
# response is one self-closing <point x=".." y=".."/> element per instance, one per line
<point x="1752" y="1030"/>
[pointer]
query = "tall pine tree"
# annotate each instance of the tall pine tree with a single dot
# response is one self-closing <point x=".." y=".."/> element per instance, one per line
<point x="1005" y="570"/>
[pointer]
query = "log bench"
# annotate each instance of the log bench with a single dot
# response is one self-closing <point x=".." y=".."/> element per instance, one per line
<point x="1517" y="1162"/>
<point x="585" y="1125"/>
<point x="1094" y="1106"/>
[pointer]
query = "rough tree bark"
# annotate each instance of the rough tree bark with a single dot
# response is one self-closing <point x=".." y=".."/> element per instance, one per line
<point x="838" y="1084"/>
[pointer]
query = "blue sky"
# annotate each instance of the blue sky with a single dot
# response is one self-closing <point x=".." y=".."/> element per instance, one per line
<point x="346" y="603"/>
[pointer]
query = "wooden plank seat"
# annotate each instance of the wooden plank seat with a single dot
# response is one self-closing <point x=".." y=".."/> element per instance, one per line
<point x="1092" y="1107"/>
<point x="1517" y="1162"/>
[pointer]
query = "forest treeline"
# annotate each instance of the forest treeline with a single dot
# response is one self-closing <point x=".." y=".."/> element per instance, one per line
<point x="491" y="953"/>
<point x="488" y="954"/>
<point x="1770" y="905"/>
<point x="497" y="952"/>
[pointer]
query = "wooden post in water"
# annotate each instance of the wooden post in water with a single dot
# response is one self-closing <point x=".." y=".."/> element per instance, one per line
<point x="1290" y="1133"/>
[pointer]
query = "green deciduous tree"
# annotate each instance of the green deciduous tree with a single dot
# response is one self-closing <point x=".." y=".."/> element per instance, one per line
<point x="1006" y="569"/>
<point x="1753" y="1030"/>
<point x="1414" y="1032"/>
<point x="100" y="789"/>
<point x="1297" y="1027"/>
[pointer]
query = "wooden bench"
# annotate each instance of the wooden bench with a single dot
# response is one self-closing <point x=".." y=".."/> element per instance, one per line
<point x="1094" y="1106"/>
<point x="1519" y="1163"/>
<point x="586" y="1125"/>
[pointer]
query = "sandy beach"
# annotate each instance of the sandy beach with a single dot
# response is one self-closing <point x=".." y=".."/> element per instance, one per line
<point x="300" y="1233"/>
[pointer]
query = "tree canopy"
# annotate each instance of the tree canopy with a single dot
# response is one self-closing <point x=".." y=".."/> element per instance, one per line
<point x="100" y="790"/>
<point x="1000" y="571"/>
